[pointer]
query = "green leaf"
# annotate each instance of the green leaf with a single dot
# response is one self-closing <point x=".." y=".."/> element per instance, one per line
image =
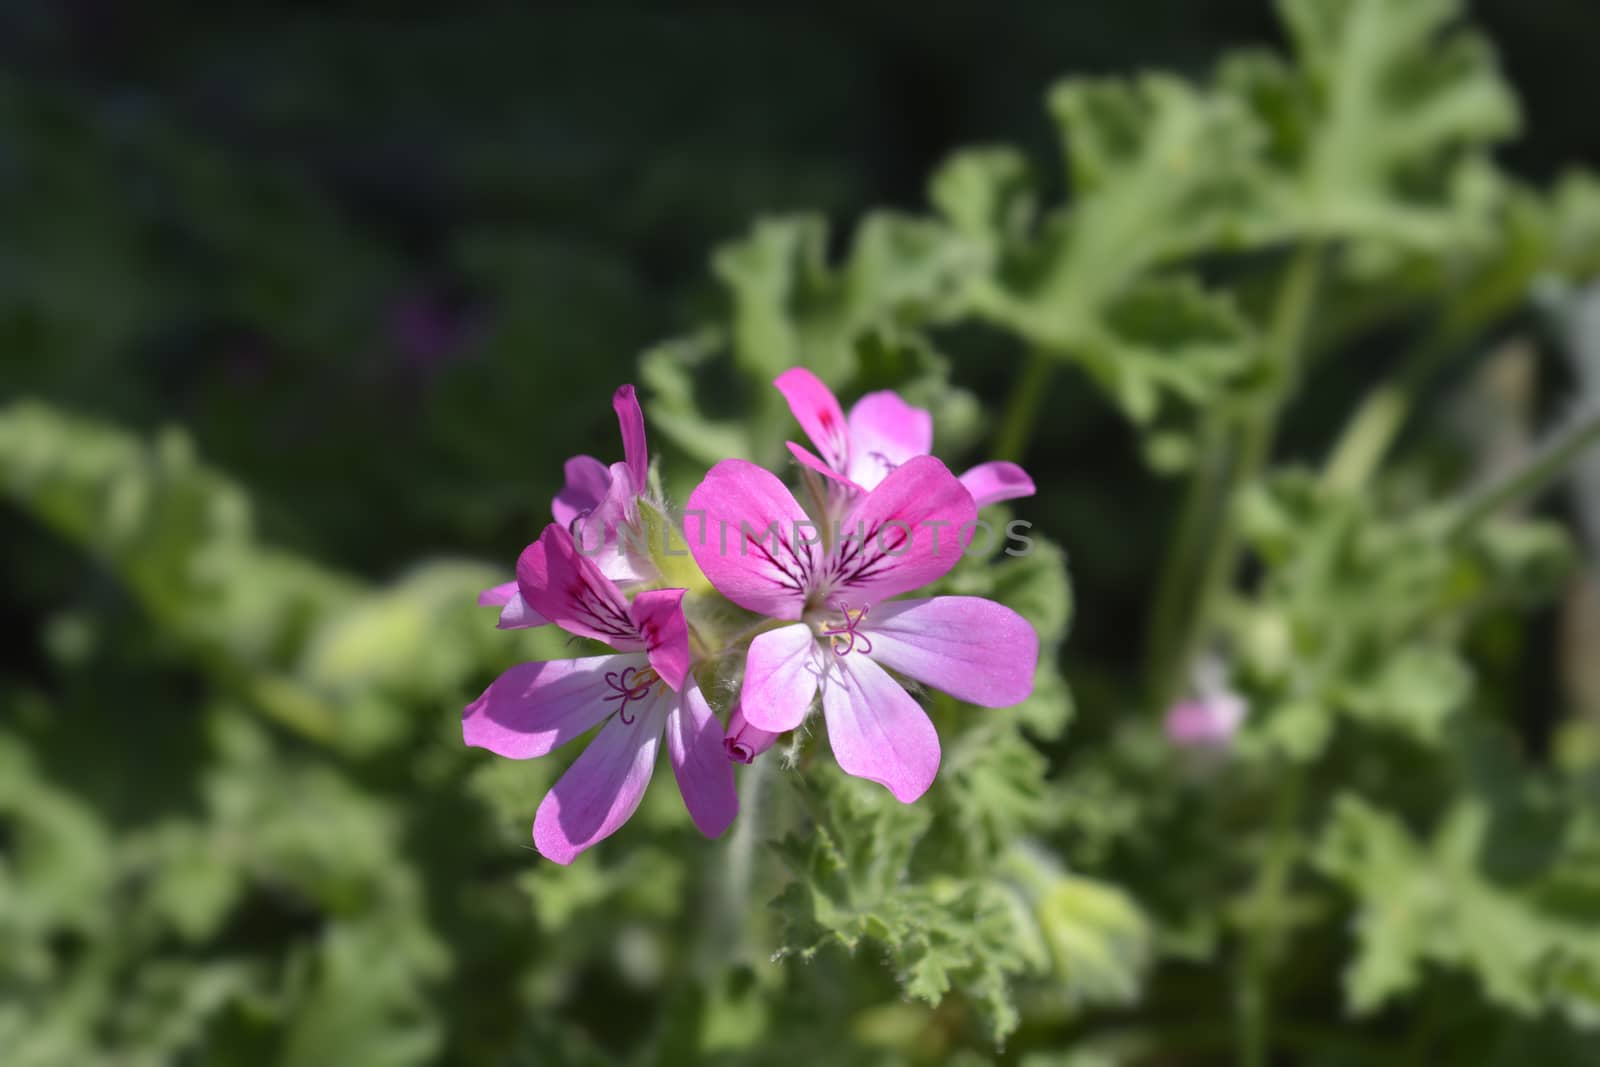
<point x="1374" y="130"/>
<point x="1159" y="170"/>
<point x="1422" y="903"/>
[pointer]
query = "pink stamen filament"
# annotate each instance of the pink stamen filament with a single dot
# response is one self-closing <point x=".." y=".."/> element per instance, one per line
<point x="848" y="635"/>
<point x="629" y="688"/>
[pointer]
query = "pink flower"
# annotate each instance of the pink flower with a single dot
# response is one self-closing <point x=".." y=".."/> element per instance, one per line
<point x="1208" y="722"/>
<point x="755" y="548"/>
<point x="881" y="432"/>
<point x="744" y="742"/>
<point x="644" y="690"/>
<point x="595" y="503"/>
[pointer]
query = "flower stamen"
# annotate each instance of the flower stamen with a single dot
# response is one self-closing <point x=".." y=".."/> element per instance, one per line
<point x="633" y="683"/>
<point x="845" y="636"/>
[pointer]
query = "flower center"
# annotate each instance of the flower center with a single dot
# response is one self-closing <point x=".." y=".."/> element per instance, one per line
<point x="845" y="635"/>
<point x="738" y="750"/>
<point x="630" y="684"/>
<point x="884" y="461"/>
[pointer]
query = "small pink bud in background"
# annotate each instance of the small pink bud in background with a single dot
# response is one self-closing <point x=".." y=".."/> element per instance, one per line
<point x="1207" y="722"/>
<point x="744" y="742"/>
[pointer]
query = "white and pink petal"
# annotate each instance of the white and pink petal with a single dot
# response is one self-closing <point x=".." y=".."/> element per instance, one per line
<point x="603" y="787"/>
<point x="990" y="483"/>
<point x="974" y="649"/>
<point x="876" y="730"/>
<point x="885" y="432"/>
<point x="534" y="708"/>
<point x="705" y="777"/>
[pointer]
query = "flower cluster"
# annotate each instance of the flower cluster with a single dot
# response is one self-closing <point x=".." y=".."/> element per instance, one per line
<point x="800" y="601"/>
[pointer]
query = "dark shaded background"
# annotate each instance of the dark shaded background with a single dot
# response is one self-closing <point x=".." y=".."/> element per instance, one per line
<point x="387" y="269"/>
<point x="387" y="266"/>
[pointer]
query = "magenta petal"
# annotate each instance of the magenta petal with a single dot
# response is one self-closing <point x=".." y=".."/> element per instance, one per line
<point x="705" y="777"/>
<point x="885" y="431"/>
<point x="497" y="596"/>
<point x="899" y="537"/>
<point x="610" y="536"/>
<point x="603" y="787"/>
<point x="1208" y="722"/>
<point x="810" y="461"/>
<point x="877" y="731"/>
<point x="631" y="419"/>
<point x="514" y="611"/>
<point x="535" y="707"/>
<point x="780" y="678"/>
<point x="973" y="649"/>
<point x="817" y="411"/>
<point x="752" y="540"/>
<point x="745" y="742"/>
<point x="569" y="590"/>
<point x="587" y="482"/>
<point x="658" y="613"/>
<point x="990" y="483"/>
<point x="516" y="615"/>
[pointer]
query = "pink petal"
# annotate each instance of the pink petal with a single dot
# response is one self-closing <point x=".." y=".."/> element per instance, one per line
<point x="658" y="613"/>
<point x="609" y="535"/>
<point x="811" y="461"/>
<point x="973" y="649"/>
<point x="780" y="678"/>
<point x="752" y="540"/>
<point x="990" y="483"/>
<point x="745" y="742"/>
<point x="497" y="596"/>
<point x="817" y="411"/>
<point x="631" y="419"/>
<point x="516" y="615"/>
<point x="1209" y="722"/>
<point x="569" y="590"/>
<point x="885" y="431"/>
<point x="514" y="611"/>
<point x="899" y="537"/>
<point x="535" y="707"/>
<point x="603" y="787"/>
<point x="877" y="731"/>
<point x="705" y="778"/>
<point x="587" y="482"/>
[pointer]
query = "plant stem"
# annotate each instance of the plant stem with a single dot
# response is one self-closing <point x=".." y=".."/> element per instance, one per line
<point x="1266" y="915"/>
<point x="1257" y="429"/>
<point x="1022" y="410"/>
<point x="739" y="873"/>
<point x="1366" y="438"/>
<point x="1547" y="464"/>
<point x="1175" y="588"/>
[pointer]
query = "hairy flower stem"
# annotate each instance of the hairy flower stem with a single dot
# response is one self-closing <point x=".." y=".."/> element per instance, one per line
<point x="739" y="874"/>
<point x="1022" y="410"/>
<point x="1547" y="464"/>
<point x="1253" y="438"/>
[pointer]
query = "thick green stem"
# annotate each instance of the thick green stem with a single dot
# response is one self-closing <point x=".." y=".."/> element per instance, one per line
<point x="1266" y="914"/>
<point x="1547" y="464"/>
<point x="739" y="872"/>
<point x="1256" y="432"/>
<point x="1022" y="410"/>
<point x="1176" y="586"/>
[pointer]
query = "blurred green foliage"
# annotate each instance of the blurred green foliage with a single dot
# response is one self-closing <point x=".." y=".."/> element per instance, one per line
<point x="237" y="824"/>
